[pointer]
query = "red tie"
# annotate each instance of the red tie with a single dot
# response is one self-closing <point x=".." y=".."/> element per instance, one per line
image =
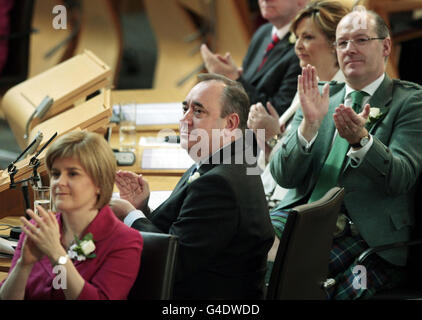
<point x="271" y="45"/>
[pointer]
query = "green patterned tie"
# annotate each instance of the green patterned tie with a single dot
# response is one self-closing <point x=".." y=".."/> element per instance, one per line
<point x="330" y="171"/>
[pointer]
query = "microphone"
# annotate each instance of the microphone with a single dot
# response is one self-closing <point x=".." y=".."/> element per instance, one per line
<point x="34" y="163"/>
<point x="39" y="113"/>
<point x="172" y="139"/>
<point x="34" y="144"/>
<point x="31" y="147"/>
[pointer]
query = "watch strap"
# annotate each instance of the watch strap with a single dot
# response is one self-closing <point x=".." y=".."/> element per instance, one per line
<point x="273" y="141"/>
<point x="356" y="145"/>
<point x="359" y="144"/>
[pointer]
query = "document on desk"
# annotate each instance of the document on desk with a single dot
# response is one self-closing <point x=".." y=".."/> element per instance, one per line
<point x="156" y="198"/>
<point x="7" y="247"/>
<point x="156" y="113"/>
<point x="166" y="158"/>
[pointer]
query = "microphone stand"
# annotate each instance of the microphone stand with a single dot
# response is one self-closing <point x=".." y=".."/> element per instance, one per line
<point x="35" y="179"/>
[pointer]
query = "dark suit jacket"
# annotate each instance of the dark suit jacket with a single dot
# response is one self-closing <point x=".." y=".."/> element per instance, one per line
<point x="224" y="231"/>
<point x="276" y="81"/>
<point x="380" y="191"/>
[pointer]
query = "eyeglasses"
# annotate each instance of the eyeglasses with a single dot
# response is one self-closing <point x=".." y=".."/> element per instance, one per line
<point x="359" y="42"/>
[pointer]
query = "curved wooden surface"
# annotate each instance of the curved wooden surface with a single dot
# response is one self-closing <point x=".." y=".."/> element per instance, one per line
<point x="101" y="33"/>
<point x="172" y="24"/>
<point x="46" y="38"/>
<point x="232" y="25"/>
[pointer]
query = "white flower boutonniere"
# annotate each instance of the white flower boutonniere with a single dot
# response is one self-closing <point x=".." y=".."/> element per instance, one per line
<point x="374" y="115"/>
<point x="193" y="177"/>
<point x="292" y="38"/>
<point x="82" y="249"/>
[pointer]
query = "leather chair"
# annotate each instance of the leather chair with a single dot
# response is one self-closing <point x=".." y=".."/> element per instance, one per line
<point x="158" y="261"/>
<point x="301" y="264"/>
<point x="412" y="288"/>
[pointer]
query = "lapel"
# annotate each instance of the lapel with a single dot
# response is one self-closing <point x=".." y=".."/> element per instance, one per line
<point x="381" y="100"/>
<point x="275" y="54"/>
<point x="183" y="180"/>
<point x="225" y="155"/>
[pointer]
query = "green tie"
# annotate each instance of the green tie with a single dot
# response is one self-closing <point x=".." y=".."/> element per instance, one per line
<point x="330" y="171"/>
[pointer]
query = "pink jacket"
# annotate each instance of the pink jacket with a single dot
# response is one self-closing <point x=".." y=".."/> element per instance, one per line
<point x="110" y="275"/>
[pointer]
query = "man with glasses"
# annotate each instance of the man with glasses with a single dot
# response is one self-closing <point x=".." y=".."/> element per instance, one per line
<point x="366" y="136"/>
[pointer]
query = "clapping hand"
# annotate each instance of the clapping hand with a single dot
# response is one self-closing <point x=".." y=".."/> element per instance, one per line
<point x="314" y="104"/>
<point x="43" y="237"/>
<point x="350" y="125"/>
<point x="133" y="188"/>
<point x="259" y="118"/>
<point x="216" y="63"/>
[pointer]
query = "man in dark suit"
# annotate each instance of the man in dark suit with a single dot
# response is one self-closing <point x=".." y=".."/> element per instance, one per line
<point x="217" y="209"/>
<point x="371" y="147"/>
<point x="266" y="75"/>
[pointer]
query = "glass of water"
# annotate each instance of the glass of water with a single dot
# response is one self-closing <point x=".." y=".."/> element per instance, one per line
<point x="42" y="197"/>
<point x="127" y="128"/>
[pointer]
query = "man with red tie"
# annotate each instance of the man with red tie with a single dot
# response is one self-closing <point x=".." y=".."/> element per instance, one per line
<point x="270" y="68"/>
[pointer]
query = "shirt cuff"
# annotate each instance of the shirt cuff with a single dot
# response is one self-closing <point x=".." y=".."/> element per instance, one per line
<point x="132" y="216"/>
<point x="358" y="155"/>
<point x="304" y="143"/>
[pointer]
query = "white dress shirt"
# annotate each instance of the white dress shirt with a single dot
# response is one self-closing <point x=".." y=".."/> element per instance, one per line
<point x="282" y="31"/>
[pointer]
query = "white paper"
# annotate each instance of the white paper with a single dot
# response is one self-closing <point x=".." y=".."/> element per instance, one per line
<point x="155" y="198"/>
<point x="156" y="113"/>
<point x="154" y="142"/>
<point x="7" y="246"/>
<point x="166" y="158"/>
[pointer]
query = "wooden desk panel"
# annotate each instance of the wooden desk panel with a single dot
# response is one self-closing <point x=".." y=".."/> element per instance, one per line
<point x="5" y="262"/>
<point x="3" y="276"/>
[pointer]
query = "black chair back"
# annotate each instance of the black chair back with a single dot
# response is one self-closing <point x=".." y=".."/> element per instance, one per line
<point x="158" y="261"/>
<point x="301" y="264"/>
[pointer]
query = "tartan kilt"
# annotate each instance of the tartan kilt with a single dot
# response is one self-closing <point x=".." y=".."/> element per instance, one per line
<point x="352" y="281"/>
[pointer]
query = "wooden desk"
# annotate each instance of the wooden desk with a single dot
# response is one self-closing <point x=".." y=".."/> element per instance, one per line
<point x="5" y="262"/>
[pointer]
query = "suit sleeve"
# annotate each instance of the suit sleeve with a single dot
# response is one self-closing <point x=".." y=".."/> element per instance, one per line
<point x="291" y="166"/>
<point x="394" y="161"/>
<point x="283" y="96"/>
<point x="205" y="224"/>
<point x="143" y="224"/>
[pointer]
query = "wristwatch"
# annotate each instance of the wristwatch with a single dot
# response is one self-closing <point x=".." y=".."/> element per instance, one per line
<point x="62" y="260"/>
<point x="362" y="142"/>
<point x="273" y="141"/>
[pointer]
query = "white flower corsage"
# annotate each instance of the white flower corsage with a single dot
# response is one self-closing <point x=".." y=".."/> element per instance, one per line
<point x="82" y="249"/>
<point x="193" y="177"/>
<point x="292" y="38"/>
<point x="374" y="115"/>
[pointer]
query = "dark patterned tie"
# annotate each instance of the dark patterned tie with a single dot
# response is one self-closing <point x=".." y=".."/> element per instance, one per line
<point x="270" y="46"/>
<point x="331" y="170"/>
